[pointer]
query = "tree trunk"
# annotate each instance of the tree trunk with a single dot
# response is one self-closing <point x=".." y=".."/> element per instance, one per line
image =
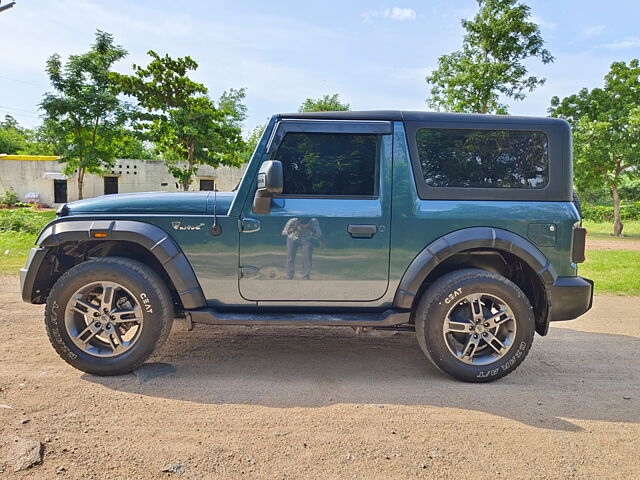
<point x="187" y="180"/>
<point x="617" y="223"/>
<point x="80" y="183"/>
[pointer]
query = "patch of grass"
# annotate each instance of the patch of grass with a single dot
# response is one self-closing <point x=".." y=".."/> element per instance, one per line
<point x="24" y="219"/>
<point x="613" y="271"/>
<point x="601" y="229"/>
<point x="14" y="248"/>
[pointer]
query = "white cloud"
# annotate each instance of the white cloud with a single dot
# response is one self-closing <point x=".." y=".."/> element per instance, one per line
<point x="539" y="21"/>
<point x="592" y="31"/>
<point x="629" y="42"/>
<point x="400" y="14"/>
<point x="395" y="13"/>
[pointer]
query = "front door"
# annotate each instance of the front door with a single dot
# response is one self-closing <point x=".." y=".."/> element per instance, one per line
<point x="326" y="237"/>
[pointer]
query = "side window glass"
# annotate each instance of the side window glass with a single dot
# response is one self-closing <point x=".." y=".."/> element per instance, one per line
<point x="483" y="158"/>
<point x="329" y="164"/>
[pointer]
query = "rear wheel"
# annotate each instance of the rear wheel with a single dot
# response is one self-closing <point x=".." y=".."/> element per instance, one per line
<point x="475" y="325"/>
<point x="106" y="316"/>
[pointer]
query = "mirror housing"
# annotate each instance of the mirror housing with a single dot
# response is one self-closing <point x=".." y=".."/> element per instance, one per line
<point x="270" y="183"/>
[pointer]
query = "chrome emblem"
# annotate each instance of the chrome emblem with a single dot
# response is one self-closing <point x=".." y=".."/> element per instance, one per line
<point x="179" y="226"/>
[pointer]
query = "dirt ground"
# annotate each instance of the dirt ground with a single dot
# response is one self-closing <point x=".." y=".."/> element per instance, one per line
<point x="309" y="403"/>
<point x="604" y="243"/>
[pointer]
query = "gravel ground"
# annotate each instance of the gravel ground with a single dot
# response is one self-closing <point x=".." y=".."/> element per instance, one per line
<point x="309" y="403"/>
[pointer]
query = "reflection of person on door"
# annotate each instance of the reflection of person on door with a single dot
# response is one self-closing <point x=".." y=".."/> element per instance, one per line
<point x="300" y="233"/>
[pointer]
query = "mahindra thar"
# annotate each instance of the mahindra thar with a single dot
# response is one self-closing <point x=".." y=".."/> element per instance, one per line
<point x="460" y="227"/>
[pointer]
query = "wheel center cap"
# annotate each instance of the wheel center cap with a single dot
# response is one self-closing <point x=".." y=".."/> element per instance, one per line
<point x="479" y="328"/>
<point x="105" y="318"/>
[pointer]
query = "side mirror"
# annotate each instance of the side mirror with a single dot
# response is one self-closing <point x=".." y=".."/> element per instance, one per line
<point x="270" y="182"/>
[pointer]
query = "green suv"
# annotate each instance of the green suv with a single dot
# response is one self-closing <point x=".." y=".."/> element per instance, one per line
<point x="460" y="227"/>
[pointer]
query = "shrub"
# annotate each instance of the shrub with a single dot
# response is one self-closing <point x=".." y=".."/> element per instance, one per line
<point x="8" y="198"/>
<point x="24" y="220"/>
<point x="628" y="211"/>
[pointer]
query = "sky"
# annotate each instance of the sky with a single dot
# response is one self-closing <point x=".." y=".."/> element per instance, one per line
<point x="375" y="54"/>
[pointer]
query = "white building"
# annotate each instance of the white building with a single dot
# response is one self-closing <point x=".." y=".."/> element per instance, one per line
<point x="40" y="178"/>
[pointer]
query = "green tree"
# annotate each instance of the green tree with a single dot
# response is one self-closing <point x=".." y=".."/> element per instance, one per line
<point x="84" y="115"/>
<point x="606" y="131"/>
<point x="12" y="137"/>
<point x="186" y="126"/>
<point x="251" y="142"/>
<point x="490" y="66"/>
<point x="326" y="103"/>
<point x="15" y="139"/>
<point x="128" y="145"/>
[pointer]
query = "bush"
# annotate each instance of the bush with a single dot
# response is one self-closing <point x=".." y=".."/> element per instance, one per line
<point x="24" y="220"/>
<point x="628" y="211"/>
<point x="8" y="198"/>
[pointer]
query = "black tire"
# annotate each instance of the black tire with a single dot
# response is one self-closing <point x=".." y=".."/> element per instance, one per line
<point x="447" y="296"/>
<point x="577" y="204"/>
<point x="145" y="286"/>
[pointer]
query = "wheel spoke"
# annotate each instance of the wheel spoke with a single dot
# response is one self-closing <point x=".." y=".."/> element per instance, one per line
<point x="114" y="337"/>
<point x="107" y="297"/>
<point x="494" y="343"/>
<point x="451" y="326"/>
<point x="476" y="308"/>
<point x="498" y="319"/>
<point x="125" y="316"/>
<point x="79" y="305"/>
<point x="470" y="348"/>
<point x="88" y="333"/>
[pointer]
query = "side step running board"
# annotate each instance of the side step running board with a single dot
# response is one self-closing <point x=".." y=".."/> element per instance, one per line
<point x="386" y="318"/>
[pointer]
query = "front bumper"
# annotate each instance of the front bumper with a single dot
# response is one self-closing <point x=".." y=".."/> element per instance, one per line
<point x="568" y="298"/>
<point x="28" y="275"/>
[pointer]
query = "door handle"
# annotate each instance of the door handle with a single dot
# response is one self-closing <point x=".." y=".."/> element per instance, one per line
<point x="362" y="231"/>
<point x="249" y="225"/>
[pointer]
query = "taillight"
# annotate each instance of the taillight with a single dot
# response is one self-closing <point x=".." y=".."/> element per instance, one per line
<point x="578" y="245"/>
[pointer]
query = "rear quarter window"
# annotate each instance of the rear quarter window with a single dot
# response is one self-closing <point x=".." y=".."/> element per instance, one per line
<point x="476" y="158"/>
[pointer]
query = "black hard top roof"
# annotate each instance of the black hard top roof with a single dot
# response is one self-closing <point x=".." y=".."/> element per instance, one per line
<point x="418" y="116"/>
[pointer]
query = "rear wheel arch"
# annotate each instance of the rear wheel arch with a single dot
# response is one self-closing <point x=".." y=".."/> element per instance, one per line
<point x="69" y="243"/>
<point x="490" y="249"/>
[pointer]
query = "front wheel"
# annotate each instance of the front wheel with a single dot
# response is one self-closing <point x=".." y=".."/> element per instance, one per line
<point x="475" y="325"/>
<point x="106" y="316"/>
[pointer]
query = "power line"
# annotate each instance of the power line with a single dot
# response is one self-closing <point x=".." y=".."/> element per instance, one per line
<point x="18" y="109"/>
<point x="20" y="114"/>
<point x="27" y="82"/>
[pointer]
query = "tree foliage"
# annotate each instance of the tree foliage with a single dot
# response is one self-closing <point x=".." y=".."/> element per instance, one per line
<point x="12" y="138"/>
<point x="490" y="66"/>
<point x="606" y="131"/>
<point x="83" y="116"/>
<point x="252" y="140"/>
<point x="326" y="103"/>
<point x="186" y="126"/>
<point x="15" y="139"/>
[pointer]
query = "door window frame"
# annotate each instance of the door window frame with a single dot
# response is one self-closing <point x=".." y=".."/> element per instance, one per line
<point x="558" y="167"/>
<point x="353" y="127"/>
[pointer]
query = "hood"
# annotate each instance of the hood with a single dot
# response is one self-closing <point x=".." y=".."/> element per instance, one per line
<point x="189" y="203"/>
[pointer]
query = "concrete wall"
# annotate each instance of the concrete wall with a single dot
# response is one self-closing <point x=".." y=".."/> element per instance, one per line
<point x="26" y="176"/>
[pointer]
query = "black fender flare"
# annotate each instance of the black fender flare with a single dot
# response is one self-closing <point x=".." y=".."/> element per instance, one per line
<point x="154" y="239"/>
<point x="467" y="239"/>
